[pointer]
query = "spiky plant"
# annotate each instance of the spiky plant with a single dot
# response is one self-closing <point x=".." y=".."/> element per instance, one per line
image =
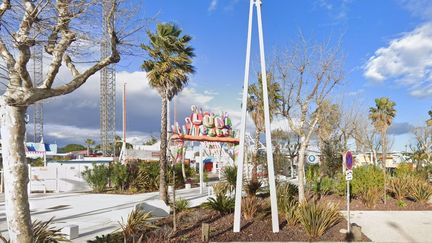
<point x="222" y="204"/>
<point x="250" y="207"/>
<point x="230" y="174"/>
<point x="137" y="222"/>
<point x="289" y="210"/>
<point x="181" y="204"/>
<point x="45" y="232"/>
<point x="421" y="191"/>
<point x="318" y="217"/>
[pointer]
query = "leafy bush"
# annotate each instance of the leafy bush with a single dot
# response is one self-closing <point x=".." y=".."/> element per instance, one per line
<point x="317" y="217"/>
<point x="97" y="177"/>
<point x="223" y="204"/>
<point x="421" y="191"/>
<point x="366" y="177"/>
<point x="325" y="186"/>
<point x="43" y="232"/>
<point x="119" y="176"/>
<point x="137" y="222"/>
<point x="147" y="177"/>
<point x="250" y="207"/>
<point x="181" y="204"/>
<point x="403" y="170"/>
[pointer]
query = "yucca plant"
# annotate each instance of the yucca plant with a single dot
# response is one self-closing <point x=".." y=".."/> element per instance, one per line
<point x="223" y="204"/>
<point x="252" y="187"/>
<point x="230" y="174"/>
<point x="399" y="187"/>
<point x="250" y="207"/>
<point x="181" y="204"/>
<point x="44" y="232"/>
<point x="317" y="217"/>
<point x="421" y="191"/>
<point x="289" y="210"/>
<point x="137" y="222"/>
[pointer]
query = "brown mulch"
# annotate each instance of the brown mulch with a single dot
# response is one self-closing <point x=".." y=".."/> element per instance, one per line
<point x="259" y="229"/>
<point x="391" y="205"/>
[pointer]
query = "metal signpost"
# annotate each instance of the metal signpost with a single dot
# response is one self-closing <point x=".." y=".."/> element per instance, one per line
<point x="348" y="177"/>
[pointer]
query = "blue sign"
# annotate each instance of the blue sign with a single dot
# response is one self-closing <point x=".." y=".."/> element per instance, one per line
<point x="349" y="160"/>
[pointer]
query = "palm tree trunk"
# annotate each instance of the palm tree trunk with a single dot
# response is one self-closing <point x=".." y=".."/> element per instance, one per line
<point x="163" y="190"/>
<point x="255" y="162"/>
<point x="384" y="160"/>
<point x="15" y="173"/>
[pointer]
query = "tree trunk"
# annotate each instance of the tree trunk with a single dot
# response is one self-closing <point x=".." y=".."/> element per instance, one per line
<point x="384" y="160"/>
<point x="174" y="201"/>
<point x="255" y="162"/>
<point x="163" y="190"/>
<point x="301" y="169"/>
<point x="15" y="173"/>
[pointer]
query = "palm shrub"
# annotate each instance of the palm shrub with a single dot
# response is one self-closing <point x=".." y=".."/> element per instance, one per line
<point x="119" y="176"/>
<point x="97" y="177"/>
<point x="222" y="204"/>
<point x="230" y="175"/>
<point x="421" y="191"/>
<point x="181" y="204"/>
<point x="250" y="207"/>
<point x="317" y="217"/>
<point x="137" y="222"/>
<point x="44" y="232"/>
<point x="252" y="187"/>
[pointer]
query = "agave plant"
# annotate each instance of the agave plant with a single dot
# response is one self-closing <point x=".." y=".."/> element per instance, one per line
<point x="137" y="222"/>
<point x="45" y="232"/>
<point x="223" y="204"/>
<point x="317" y="217"/>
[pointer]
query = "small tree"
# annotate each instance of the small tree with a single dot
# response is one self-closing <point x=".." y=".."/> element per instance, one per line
<point x="382" y="117"/>
<point x="62" y="28"/>
<point x="89" y="142"/>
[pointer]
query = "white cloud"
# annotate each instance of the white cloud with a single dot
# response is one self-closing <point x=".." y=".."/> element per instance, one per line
<point x="419" y="8"/>
<point x="407" y="59"/>
<point x="213" y="5"/>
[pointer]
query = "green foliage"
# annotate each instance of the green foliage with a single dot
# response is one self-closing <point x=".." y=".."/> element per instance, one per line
<point x="119" y="176"/>
<point x="71" y="147"/>
<point x="252" y="187"/>
<point x="401" y="203"/>
<point x="97" y="177"/>
<point x="421" y="191"/>
<point x="137" y="222"/>
<point x="222" y="204"/>
<point x="400" y="186"/>
<point x="181" y="204"/>
<point x="38" y="162"/>
<point x="403" y="170"/>
<point x="249" y="207"/>
<point x="289" y="210"/>
<point x="285" y="192"/>
<point x="383" y="113"/>
<point x="147" y="177"/>
<point x="109" y="238"/>
<point x="221" y="187"/>
<point x="230" y="175"/>
<point x="370" y="196"/>
<point x="318" y="217"/>
<point x="331" y="158"/>
<point x="44" y="232"/>
<point x="152" y="140"/>
<point x="319" y="186"/>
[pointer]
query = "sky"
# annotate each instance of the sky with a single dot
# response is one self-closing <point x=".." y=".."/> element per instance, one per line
<point x="387" y="47"/>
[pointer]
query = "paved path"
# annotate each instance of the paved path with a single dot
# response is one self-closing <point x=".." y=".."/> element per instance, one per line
<point x="395" y="226"/>
<point x="95" y="214"/>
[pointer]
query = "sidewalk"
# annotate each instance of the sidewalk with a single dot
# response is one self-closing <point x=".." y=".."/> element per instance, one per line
<point x="95" y="214"/>
<point x="395" y="226"/>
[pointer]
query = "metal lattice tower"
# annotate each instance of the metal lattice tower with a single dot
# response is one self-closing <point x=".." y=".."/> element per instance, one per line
<point x="107" y="89"/>
<point x="37" y="58"/>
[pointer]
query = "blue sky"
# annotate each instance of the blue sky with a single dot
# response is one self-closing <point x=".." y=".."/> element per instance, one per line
<point x="385" y="44"/>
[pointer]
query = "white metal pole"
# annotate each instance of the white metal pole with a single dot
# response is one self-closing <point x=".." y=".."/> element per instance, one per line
<point x="201" y="168"/>
<point x="240" y="158"/>
<point x="348" y="207"/>
<point x="271" y="175"/>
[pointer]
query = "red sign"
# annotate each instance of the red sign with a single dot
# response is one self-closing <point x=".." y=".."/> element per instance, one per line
<point x="349" y="160"/>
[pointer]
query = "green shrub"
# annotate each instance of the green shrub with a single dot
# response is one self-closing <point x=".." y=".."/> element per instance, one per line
<point x="325" y="186"/>
<point x="97" y="177"/>
<point x="366" y="177"/>
<point x="43" y="232"/>
<point x="119" y="176"/>
<point x="317" y="217"/>
<point x="421" y="191"/>
<point x="222" y="204"/>
<point x="147" y="177"/>
<point x="403" y="170"/>
<point x="230" y="175"/>
<point x="181" y="204"/>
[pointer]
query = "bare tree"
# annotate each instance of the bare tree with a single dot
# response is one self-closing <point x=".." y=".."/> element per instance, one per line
<point x="308" y="73"/>
<point x="61" y="27"/>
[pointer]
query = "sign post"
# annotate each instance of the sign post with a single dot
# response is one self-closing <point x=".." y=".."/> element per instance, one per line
<point x="348" y="177"/>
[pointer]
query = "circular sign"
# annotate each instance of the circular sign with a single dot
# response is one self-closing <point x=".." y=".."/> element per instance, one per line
<point x="349" y="160"/>
<point x="311" y="159"/>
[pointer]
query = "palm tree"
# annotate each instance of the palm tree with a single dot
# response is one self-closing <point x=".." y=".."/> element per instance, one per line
<point x="256" y="110"/>
<point x="168" y="67"/>
<point x="382" y="117"/>
<point x="429" y="121"/>
<point x="89" y="142"/>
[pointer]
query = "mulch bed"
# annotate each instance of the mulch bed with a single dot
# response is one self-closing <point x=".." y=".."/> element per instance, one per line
<point x="259" y="229"/>
<point x="391" y="205"/>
